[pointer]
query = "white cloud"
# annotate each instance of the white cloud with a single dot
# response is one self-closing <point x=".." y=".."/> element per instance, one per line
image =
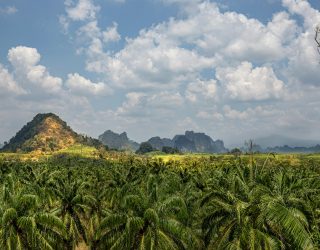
<point x="80" y="85"/>
<point x="215" y="116"/>
<point x="89" y="31"/>
<point x="165" y="100"/>
<point x="201" y="89"/>
<point x="252" y="113"/>
<point x="145" y="64"/>
<point x="111" y="34"/>
<point x="285" y="28"/>
<point x="9" y="10"/>
<point x="177" y="52"/>
<point x="129" y="107"/>
<point x="235" y="114"/>
<point x="139" y="104"/>
<point x="244" y="62"/>
<point x="311" y="16"/>
<point x="8" y="84"/>
<point x="25" y="62"/>
<point x="92" y="36"/>
<point x="82" y="10"/>
<point x="22" y="57"/>
<point x="303" y="66"/>
<point x="247" y="83"/>
<point x="64" y="23"/>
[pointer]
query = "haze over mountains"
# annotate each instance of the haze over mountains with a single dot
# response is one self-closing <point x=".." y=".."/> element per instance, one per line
<point x="47" y="132"/>
<point x="280" y="140"/>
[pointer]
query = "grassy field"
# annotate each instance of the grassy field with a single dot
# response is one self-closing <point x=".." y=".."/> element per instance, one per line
<point x="91" y="152"/>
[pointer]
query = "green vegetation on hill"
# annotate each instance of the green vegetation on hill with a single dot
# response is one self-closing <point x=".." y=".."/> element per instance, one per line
<point x="132" y="202"/>
<point x="46" y="132"/>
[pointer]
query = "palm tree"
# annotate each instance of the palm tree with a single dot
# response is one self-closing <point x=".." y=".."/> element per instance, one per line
<point x="145" y="221"/>
<point x="284" y="209"/>
<point x="38" y="181"/>
<point x="73" y="203"/>
<point x="230" y="215"/>
<point x="23" y="226"/>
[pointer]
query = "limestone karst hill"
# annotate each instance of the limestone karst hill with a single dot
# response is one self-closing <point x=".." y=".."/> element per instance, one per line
<point x="46" y="132"/>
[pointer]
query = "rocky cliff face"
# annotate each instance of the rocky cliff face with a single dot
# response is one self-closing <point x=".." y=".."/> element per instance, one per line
<point x="158" y="143"/>
<point x="118" y="141"/>
<point x="190" y="142"/>
<point x="198" y="142"/>
<point x="184" y="144"/>
<point x="204" y="143"/>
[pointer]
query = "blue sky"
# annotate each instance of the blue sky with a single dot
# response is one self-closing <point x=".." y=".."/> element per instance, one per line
<point x="233" y="69"/>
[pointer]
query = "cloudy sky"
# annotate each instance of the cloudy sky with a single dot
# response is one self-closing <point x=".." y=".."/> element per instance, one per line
<point x="235" y="69"/>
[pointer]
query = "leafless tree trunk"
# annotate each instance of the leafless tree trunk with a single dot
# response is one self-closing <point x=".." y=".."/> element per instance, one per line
<point x="317" y="37"/>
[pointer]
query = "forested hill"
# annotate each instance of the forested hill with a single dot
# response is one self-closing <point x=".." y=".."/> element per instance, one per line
<point x="46" y="132"/>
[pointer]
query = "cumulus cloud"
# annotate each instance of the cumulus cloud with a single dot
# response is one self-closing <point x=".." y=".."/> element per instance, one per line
<point x="22" y="57"/>
<point x="247" y="83"/>
<point x="201" y="89"/>
<point x="206" y="57"/>
<point x="143" y="64"/>
<point x="89" y="31"/>
<point x="284" y="27"/>
<point x="25" y="62"/>
<point x="134" y="100"/>
<point x="111" y="34"/>
<point x="303" y="66"/>
<point x="165" y="100"/>
<point x="30" y="77"/>
<point x="82" y="85"/>
<point x="177" y="52"/>
<point x="311" y="17"/>
<point x="8" y="84"/>
<point x="82" y="10"/>
<point x="139" y="104"/>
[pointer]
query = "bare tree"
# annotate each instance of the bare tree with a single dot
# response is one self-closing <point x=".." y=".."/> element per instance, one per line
<point x="317" y="37"/>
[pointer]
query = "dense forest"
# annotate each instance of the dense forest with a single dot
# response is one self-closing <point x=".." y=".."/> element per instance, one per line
<point x="67" y="202"/>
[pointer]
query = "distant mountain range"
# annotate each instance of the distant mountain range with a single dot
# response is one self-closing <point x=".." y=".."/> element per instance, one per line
<point x="47" y="132"/>
<point x="288" y="149"/>
<point x="118" y="141"/>
<point x="279" y="140"/>
<point x="283" y="144"/>
<point x="190" y="142"/>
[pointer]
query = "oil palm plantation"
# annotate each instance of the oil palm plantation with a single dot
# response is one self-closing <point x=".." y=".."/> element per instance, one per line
<point x="231" y="210"/>
<point x="72" y="204"/>
<point x="146" y="220"/>
<point x="23" y="226"/>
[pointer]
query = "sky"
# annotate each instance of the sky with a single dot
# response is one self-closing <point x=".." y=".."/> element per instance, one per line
<point x="234" y="69"/>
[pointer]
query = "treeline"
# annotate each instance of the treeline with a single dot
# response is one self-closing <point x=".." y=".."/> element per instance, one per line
<point x="138" y="203"/>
